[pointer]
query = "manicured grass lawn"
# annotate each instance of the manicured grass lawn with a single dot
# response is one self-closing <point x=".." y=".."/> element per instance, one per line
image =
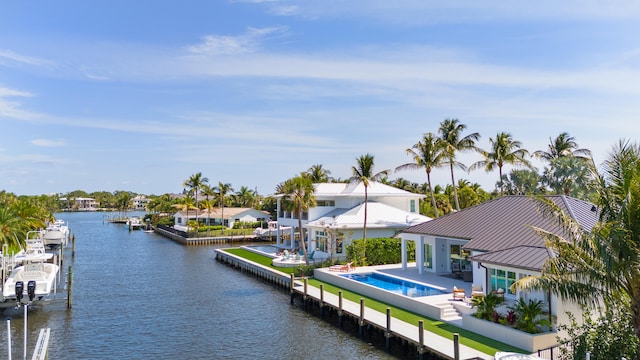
<point x="468" y="338"/>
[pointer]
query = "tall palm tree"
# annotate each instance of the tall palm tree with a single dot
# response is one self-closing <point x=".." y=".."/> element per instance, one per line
<point x="428" y="154"/>
<point x="504" y="150"/>
<point x="563" y="146"/>
<point x="363" y="173"/>
<point x="318" y="174"/>
<point x="451" y="134"/>
<point x="208" y="192"/>
<point x="221" y="191"/>
<point x="195" y="183"/>
<point x="601" y="266"/>
<point x="298" y="197"/>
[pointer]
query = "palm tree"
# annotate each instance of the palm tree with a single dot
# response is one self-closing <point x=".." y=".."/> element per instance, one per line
<point x="207" y="205"/>
<point x="451" y="134"/>
<point x="363" y="173"/>
<point x="601" y="266"/>
<point x="318" y="174"/>
<point x="299" y="197"/>
<point x="245" y="197"/>
<point x="562" y="146"/>
<point x="195" y="183"/>
<point x="428" y="154"/>
<point x="221" y="191"/>
<point x="504" y="150"/>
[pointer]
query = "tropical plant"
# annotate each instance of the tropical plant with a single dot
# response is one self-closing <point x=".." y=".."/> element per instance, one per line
<point x="529" y="316"/>
<point x="601" y="266"/>
<point x="318" y="174"/>
<point x="570" y="176"/>
<point x="504" y="150"/>
<point x="363" y="173"/>
<point x="522" y="182"/>
<point x="451" y="134"/>
<point x="428" y="153"/>
<point x="298" y="196"/>
<point x="605" y="337"/>
<point x="562" y="146"/>
<point x="244" y="197"/>
<point x="486" y="305"/>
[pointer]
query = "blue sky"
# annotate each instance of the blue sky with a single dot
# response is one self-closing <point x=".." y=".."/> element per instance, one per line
<point x="138" y="95"/>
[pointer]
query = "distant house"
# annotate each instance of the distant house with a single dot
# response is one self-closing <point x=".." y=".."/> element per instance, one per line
<point x="81" y="204"/>
<point x="338" y="217"/>
<point x="140" y="202"/>
<point x="215" y="217"/>
<point x="495" y="243"/>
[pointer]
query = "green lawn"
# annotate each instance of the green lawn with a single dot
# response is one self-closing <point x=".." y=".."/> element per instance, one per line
<point x="470" y="339"/>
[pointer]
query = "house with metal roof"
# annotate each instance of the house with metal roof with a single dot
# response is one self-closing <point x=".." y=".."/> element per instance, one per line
<point x="494" y="244"/>
<point x="338" y="217"/>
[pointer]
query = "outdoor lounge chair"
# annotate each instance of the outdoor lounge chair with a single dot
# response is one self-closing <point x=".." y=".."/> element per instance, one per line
<point x="476" y="291"/>
<point x="459" y="294"/>
<point x="343" y="268"/>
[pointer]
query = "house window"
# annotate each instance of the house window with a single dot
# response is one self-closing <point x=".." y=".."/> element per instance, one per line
<point x="459" y="257"/>
<point x="412" y="205"/>
<point x="320" y="203"/>
<point x="428" y="256"/>
<point x="321" y="240"/>
<point x="339" y="240"/>
<point x="502" y="279"/>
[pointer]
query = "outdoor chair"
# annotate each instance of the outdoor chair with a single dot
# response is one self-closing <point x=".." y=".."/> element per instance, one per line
<point x="476" y="291"/>
<point x="459" y="294"/>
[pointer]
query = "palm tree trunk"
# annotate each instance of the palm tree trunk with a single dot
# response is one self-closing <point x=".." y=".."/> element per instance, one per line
<point x="302" y="242"/>
<point x="455" y="191"/>
<point x="433" y="197"/>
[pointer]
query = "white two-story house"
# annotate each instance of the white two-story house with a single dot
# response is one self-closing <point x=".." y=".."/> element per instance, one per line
<point x="338" y="217"/>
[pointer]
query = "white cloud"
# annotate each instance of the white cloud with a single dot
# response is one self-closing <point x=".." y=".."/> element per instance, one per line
<point x="14" y="57"/>
<point x="48" y="143"/>
<point x="248" y="42"/>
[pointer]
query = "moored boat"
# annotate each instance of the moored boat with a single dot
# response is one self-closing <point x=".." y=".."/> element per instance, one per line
<point x="514" y="356"/>
<point x="56" y="234"/>
<point x="32" y="281"/>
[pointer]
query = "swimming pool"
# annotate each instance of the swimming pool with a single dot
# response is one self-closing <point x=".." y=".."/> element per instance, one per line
<point x="268" y="249"/>
<point x="395" y="285"/>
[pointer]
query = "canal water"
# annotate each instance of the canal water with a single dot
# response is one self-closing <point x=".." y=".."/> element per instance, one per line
<point x="140" y="296"/>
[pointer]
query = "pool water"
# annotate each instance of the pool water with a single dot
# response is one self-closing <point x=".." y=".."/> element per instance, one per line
<point x="395" y="285"/>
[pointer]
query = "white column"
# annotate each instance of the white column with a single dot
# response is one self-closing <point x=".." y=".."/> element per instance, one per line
<point x="420" y="255"/>
<point x="293" y="237"/>
<point x="278" y="222"/>
<point x="403" y="253"/>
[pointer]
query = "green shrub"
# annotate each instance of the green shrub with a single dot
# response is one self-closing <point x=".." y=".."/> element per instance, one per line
<point x="379" y="251"/>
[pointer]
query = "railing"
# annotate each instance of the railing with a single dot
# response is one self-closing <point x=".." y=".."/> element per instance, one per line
<point x="554" y="352"/>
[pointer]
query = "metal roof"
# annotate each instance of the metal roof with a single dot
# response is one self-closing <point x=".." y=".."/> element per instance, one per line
<point x="521" y="257"/>
<point x="506" y="223"/>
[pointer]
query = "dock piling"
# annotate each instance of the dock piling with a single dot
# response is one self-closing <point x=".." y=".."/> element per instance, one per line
<point x="456" y="346"/>
<point x="361" y="320"/>
<point x="387" y="333"/>
<point x="70" y="290"/>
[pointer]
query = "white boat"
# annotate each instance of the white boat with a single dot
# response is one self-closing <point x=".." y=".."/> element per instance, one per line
<point x="514" y="356"/>
<point x="32" y="281"/>
<point x="270" y="230"/>
<point x="34" y="250"/>
<point x="134" y="223"/>
<point x="56" y="234"/>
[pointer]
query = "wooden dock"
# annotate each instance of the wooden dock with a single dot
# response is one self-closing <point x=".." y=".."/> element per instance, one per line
<point x="204" y="240"/>
<point x="368" y="320"/>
